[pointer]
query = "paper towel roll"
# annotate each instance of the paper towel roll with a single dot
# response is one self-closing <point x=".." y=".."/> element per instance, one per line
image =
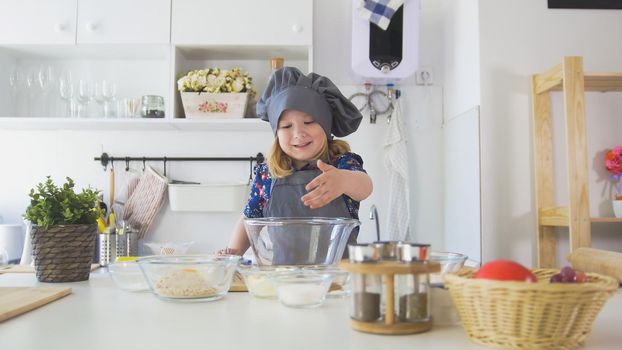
<point x="12" y="240"/>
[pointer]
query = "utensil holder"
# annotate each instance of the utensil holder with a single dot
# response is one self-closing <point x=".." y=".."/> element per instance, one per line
<point x="107" y="248"/>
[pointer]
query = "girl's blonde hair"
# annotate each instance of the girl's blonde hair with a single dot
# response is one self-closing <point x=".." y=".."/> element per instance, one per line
<point x="280" y="164"/>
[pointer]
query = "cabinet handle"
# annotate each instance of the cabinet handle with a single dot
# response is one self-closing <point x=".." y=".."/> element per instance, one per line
<point x="90" y="26"/>
<point x="296" y="28"/>
<point x="60" y="27"/>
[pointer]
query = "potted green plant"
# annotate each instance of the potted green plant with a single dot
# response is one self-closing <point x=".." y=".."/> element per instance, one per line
<point x="64" y="231"/>
<point x="215" y="92"/>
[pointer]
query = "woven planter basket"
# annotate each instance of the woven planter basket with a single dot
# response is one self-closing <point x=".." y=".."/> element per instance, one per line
<point x="521" y="315"/>
<point x="63" y="253"/>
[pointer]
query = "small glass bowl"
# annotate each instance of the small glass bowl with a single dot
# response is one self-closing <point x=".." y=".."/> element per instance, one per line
<point x="302" y="288"/>
<point x="450" y="263"/>
<point x="189" y="277"/>
<point x="257" y="279"/>
<point x="127" y="276"/>
<point x="340" y="285"/>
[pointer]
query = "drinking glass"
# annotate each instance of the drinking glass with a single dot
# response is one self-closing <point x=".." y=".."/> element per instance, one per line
<point x="46" y="81"/>
<point x="85" y="96"/>
<point x="66" y="94"/>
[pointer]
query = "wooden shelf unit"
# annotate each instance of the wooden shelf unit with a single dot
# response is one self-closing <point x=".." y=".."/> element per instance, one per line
<point x="573" y="82"/>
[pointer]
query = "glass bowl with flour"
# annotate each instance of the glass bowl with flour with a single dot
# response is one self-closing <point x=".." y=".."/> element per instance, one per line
<point x="189" y="277"/>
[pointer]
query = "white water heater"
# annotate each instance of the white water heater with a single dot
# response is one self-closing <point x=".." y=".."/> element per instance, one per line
<point x="386" y="56"/>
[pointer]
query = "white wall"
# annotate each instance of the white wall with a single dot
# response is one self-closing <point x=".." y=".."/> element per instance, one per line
<point x="460" y="57"/>
<point x="517" y="39"/>
<point x="27" y="156"/>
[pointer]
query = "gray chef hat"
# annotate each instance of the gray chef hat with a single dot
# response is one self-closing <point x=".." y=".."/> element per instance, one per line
<point x="313" y="94"/>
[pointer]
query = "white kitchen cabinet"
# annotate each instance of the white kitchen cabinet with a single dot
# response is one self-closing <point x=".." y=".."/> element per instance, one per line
<point x="124" y="22"/>
<point x="131" y="43"/>
<point x="37" y="22"/>
<point x="242" y="22"/>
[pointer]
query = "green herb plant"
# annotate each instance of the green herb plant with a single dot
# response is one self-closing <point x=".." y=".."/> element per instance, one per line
<point x="52" y="205"/>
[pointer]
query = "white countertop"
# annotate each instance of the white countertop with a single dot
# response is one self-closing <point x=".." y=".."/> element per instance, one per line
<point x="99" y="316"/>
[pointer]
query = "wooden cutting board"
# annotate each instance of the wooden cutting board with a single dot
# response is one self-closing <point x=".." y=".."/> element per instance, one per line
<point x="237" y="283"/>
<point x="18" y="300"/>
<point x="31" y="269"/>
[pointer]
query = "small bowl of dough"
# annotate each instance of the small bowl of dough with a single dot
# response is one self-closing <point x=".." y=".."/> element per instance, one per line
<point x="257" y="279"/>
<point x="302" y="288"/>
<point x="189" y="277"/>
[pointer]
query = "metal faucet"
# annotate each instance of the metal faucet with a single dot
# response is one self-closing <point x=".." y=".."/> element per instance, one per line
<point x="373" y="215"/>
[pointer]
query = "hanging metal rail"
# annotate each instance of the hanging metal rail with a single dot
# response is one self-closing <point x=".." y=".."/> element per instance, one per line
<point x="105" y="159"/>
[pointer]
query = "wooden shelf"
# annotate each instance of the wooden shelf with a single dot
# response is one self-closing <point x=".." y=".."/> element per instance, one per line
<point x="552" y="80"/>
<point x="606" y="220"/>
<point x="573" y="82"/>
<point x="182" y="124"/>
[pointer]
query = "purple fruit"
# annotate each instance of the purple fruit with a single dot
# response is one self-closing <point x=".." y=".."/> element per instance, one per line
<point x="568" y="274"/>
<point x="556" y="278"/>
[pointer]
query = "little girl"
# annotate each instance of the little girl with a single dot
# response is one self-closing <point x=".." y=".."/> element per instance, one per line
<point x="308" y="173"/>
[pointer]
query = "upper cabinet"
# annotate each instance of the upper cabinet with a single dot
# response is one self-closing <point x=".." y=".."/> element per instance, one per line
<point x="242" y="22"/>
<point x="38" y="22"/>
<point x="124" y="22"/>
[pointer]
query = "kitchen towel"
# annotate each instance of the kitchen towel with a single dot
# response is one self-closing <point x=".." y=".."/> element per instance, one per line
<point x="146" y="200"/>
<point x="379" y="11"/>
<point x="396" y="162"/>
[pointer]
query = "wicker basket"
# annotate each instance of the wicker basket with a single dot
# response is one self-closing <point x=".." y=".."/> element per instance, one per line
<point x="63" y="253"/>
<point x="520" y="315"/>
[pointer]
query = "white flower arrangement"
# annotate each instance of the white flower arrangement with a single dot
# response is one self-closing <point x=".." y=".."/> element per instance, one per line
<point x="216" y="80"/>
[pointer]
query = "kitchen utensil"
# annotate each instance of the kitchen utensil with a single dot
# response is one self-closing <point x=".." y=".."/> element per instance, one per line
<point x="189" y="277"/>
<point x="107" y="247"/>
<point x="299" y="241"/>
<point x="18" y="300"/>
<point x="450" y="263"/>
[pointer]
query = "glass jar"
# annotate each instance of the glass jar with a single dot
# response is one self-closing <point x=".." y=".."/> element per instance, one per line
<point x="152" y="106"/>
<point x="366" y="288"/>
<point x="412" y="291"/>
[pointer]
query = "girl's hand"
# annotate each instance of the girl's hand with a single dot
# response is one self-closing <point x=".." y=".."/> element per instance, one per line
<point x="325" y="187"/>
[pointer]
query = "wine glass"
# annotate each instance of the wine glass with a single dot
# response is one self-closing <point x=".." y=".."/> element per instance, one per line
<point x="30" y="86"/>
<point x="99" y="96"/>
<point x="85" y="96"/>
<point x="46" y="81"/>
<point x="109" y="90"/>
<point x="66" y="93"/>
<point x="15" y="79"/>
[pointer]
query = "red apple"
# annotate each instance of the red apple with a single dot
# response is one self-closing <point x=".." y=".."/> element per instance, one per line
<point x="505" y="270"/>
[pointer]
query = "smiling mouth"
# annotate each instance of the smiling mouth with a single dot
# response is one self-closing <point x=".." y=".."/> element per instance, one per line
<point x="302" y="145"/>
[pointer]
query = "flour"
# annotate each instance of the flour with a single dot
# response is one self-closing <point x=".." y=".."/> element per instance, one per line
<point x="184" y="283"/>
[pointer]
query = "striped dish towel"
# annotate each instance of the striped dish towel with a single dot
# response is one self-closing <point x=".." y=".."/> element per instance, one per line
<point x="379" y="11"/>
<point x="146" y="200"/>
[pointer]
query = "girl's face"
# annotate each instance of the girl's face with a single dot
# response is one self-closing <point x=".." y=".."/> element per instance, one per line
<point x="300" y="137"/>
